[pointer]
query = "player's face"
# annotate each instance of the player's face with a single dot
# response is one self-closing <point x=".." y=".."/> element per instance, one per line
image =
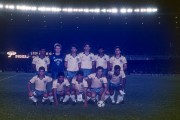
<point x="117" y="71"/>
<point x="57" y="49"/>
<point x="101" y="51"/>
<point x="41" y="72"/>
<point x="61" y="78"/>
<point x="99" y="72"/>
<point x="73" y="50"/>
<point x="87" y="48"/>
<point x="117" y="51"/>
<point x="42" y="52"/>
<point x="79" y="77"/>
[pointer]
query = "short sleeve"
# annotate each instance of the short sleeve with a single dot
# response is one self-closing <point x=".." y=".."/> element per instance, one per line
<point x="107" y="58"/>
<point x="85" y="84"/>
<point x="34" y="60"/>
<point x="91" y="76"/>
<point x="66" y="58"/>
<point x="49" y="79"/>
<point x="67" y="83"/>
<point x="48" y="60"/>
<point x="73" y="81"/>
<point x="111" y="60"/>
<point x="124" y="60"/>
<point x="54" y="84"/>
<point x="105" y="80"/>
<point x="33" y="80"/>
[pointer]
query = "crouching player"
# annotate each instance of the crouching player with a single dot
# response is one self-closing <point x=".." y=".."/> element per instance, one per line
<point x="61" y="89"/>
<point x="117" y="83"/>
<point x="79" y="88"/>
<point x="98" y="85"/>
<point x="41" y="82"/>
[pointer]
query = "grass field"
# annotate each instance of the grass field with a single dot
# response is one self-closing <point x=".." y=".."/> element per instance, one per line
<point x="148" y="97"/>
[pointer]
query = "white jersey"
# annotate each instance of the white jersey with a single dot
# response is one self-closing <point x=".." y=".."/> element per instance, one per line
<point x="118" y="61"/>
<point x="101" y="61"/>
<point x="60" y="86"/>
<point x="86" y="60"/>
<point x="97" y="82"/>
<point x="116" y="79"/>
<point x="41" y="62"/>
<point x="80" y="86"/>
<point x="40" y="84"/>
<point x="72" y="62"/>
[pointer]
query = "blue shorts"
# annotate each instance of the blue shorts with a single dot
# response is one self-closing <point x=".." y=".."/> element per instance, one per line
<point x="87" y="72"/>
<point x="71" y="74"/>
<point x="38" y="93"/>
<point x="96" y="90"/>
<point x="115" y="86"/>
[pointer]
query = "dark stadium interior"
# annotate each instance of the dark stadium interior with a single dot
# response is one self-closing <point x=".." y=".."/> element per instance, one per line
<point x="148" y="35"/>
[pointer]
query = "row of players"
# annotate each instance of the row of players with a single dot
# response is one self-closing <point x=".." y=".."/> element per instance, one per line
<point x="95" y="86"/>
<point x="73" y="62"/>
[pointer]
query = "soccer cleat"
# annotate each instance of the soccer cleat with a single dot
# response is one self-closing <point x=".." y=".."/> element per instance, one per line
<point x="122" y="92"/>
<point x="113" y="102"/>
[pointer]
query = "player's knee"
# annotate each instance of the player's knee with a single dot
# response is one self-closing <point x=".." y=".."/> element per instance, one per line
<point x="67" y="93"/>
<point x="107" y="92"/>
<point x="45" y="95"/>
<point x="93" y="95"/>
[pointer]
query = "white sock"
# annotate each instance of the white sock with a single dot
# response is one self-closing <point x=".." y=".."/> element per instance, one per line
<point x="73" y="98"/>
<point x="61" y="99"/>
<point x="51" y="99"/>
<point x="66" y="98"/>
<point x="33" y="99"/>
<point x="44" y="99"/>
<point x="88" y="98"/>
<point x="112" y="97"/>
<point x="120" y="98"/>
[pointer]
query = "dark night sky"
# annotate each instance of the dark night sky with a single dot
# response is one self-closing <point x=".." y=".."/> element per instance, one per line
<point x="136" y="34"/>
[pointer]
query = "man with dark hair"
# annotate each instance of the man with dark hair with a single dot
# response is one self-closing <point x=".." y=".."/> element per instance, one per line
<point x="41" y="82"/>
<point x="72" y="63"/>
<point x="57" y="61"/>
<point x="98" y="85"/>
<point x="117" y="84"/>
<point x="61" y="89"/>
<point x="102" y="60"/>
<point x="87" y="60"/>
<point x="41" y="60"/>
<point x="79" y="88"/>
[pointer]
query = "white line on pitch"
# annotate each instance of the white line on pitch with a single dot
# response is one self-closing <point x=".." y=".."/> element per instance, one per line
<point x="7" y="77"/>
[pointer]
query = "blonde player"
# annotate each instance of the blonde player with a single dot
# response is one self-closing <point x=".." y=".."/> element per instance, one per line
<point x="41" y="60"/>
<point x="117" y="84"/>
<point x="79" y="88"/>
<point x="41" y="82"/>
<point x="98" y="85"/>
<point x="102" y="60"/>
<point x="72" y="63"/>
<point x="61" y="89"/>
<point x="87" y="60"/>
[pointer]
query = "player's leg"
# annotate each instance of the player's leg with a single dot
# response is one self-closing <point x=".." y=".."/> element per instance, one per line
<point x="120" y="96"/>
<point x="32" y="96"/>
<point x="66" y="97"/>
<point x="50" y="97"/>
<point x="73" y="96"/>
<point x="112" y="93"/>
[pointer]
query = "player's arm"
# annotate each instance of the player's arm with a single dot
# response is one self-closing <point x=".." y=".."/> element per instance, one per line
<point x="104" y="92"/>
<point x="108" y="65"/>
<point x="93" y="66"/>
<point x="85" y="96"/>
<point x="29" y="88"/>
<point x="65" y="64"/>
<point x="125" y="66"/>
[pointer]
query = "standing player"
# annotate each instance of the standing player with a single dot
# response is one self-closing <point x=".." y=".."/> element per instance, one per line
<point x="57" y="61"/>
<point x="87" y="60"/>
<point x="41" y="60"/>
<point x="61" y="88"/>
<point x="117" y="84"/>
<point x="79" y="88"/>
<point x="118" y="59"/>
<point x="98" y="85"/>
<point x="41" y="82"/>
<point x="72" y="63"/>
<point x="102" y="60"/>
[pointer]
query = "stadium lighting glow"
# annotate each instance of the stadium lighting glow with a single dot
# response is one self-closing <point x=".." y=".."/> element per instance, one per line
<point x="1" y="6"/>
<point x="123" y="10"/>
<point x="79" y="10"/>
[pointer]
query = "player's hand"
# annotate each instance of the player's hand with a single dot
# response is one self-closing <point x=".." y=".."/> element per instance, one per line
<point x="30" y="93"/>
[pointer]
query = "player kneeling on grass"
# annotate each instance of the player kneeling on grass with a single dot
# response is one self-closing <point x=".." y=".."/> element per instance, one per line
<point x="98" y="85"/>
<point x="117" y="83"/>
<point x="61" y="88"/>
<point x="41" y="82"/>
<point x="79" y="88"/>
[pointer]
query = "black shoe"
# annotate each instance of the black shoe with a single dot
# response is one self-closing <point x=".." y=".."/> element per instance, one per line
<point x="65" y="103"/>
<point x="51" y="103"/>
<point x="73" y="103"/>
<point x="35" y="103"/>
